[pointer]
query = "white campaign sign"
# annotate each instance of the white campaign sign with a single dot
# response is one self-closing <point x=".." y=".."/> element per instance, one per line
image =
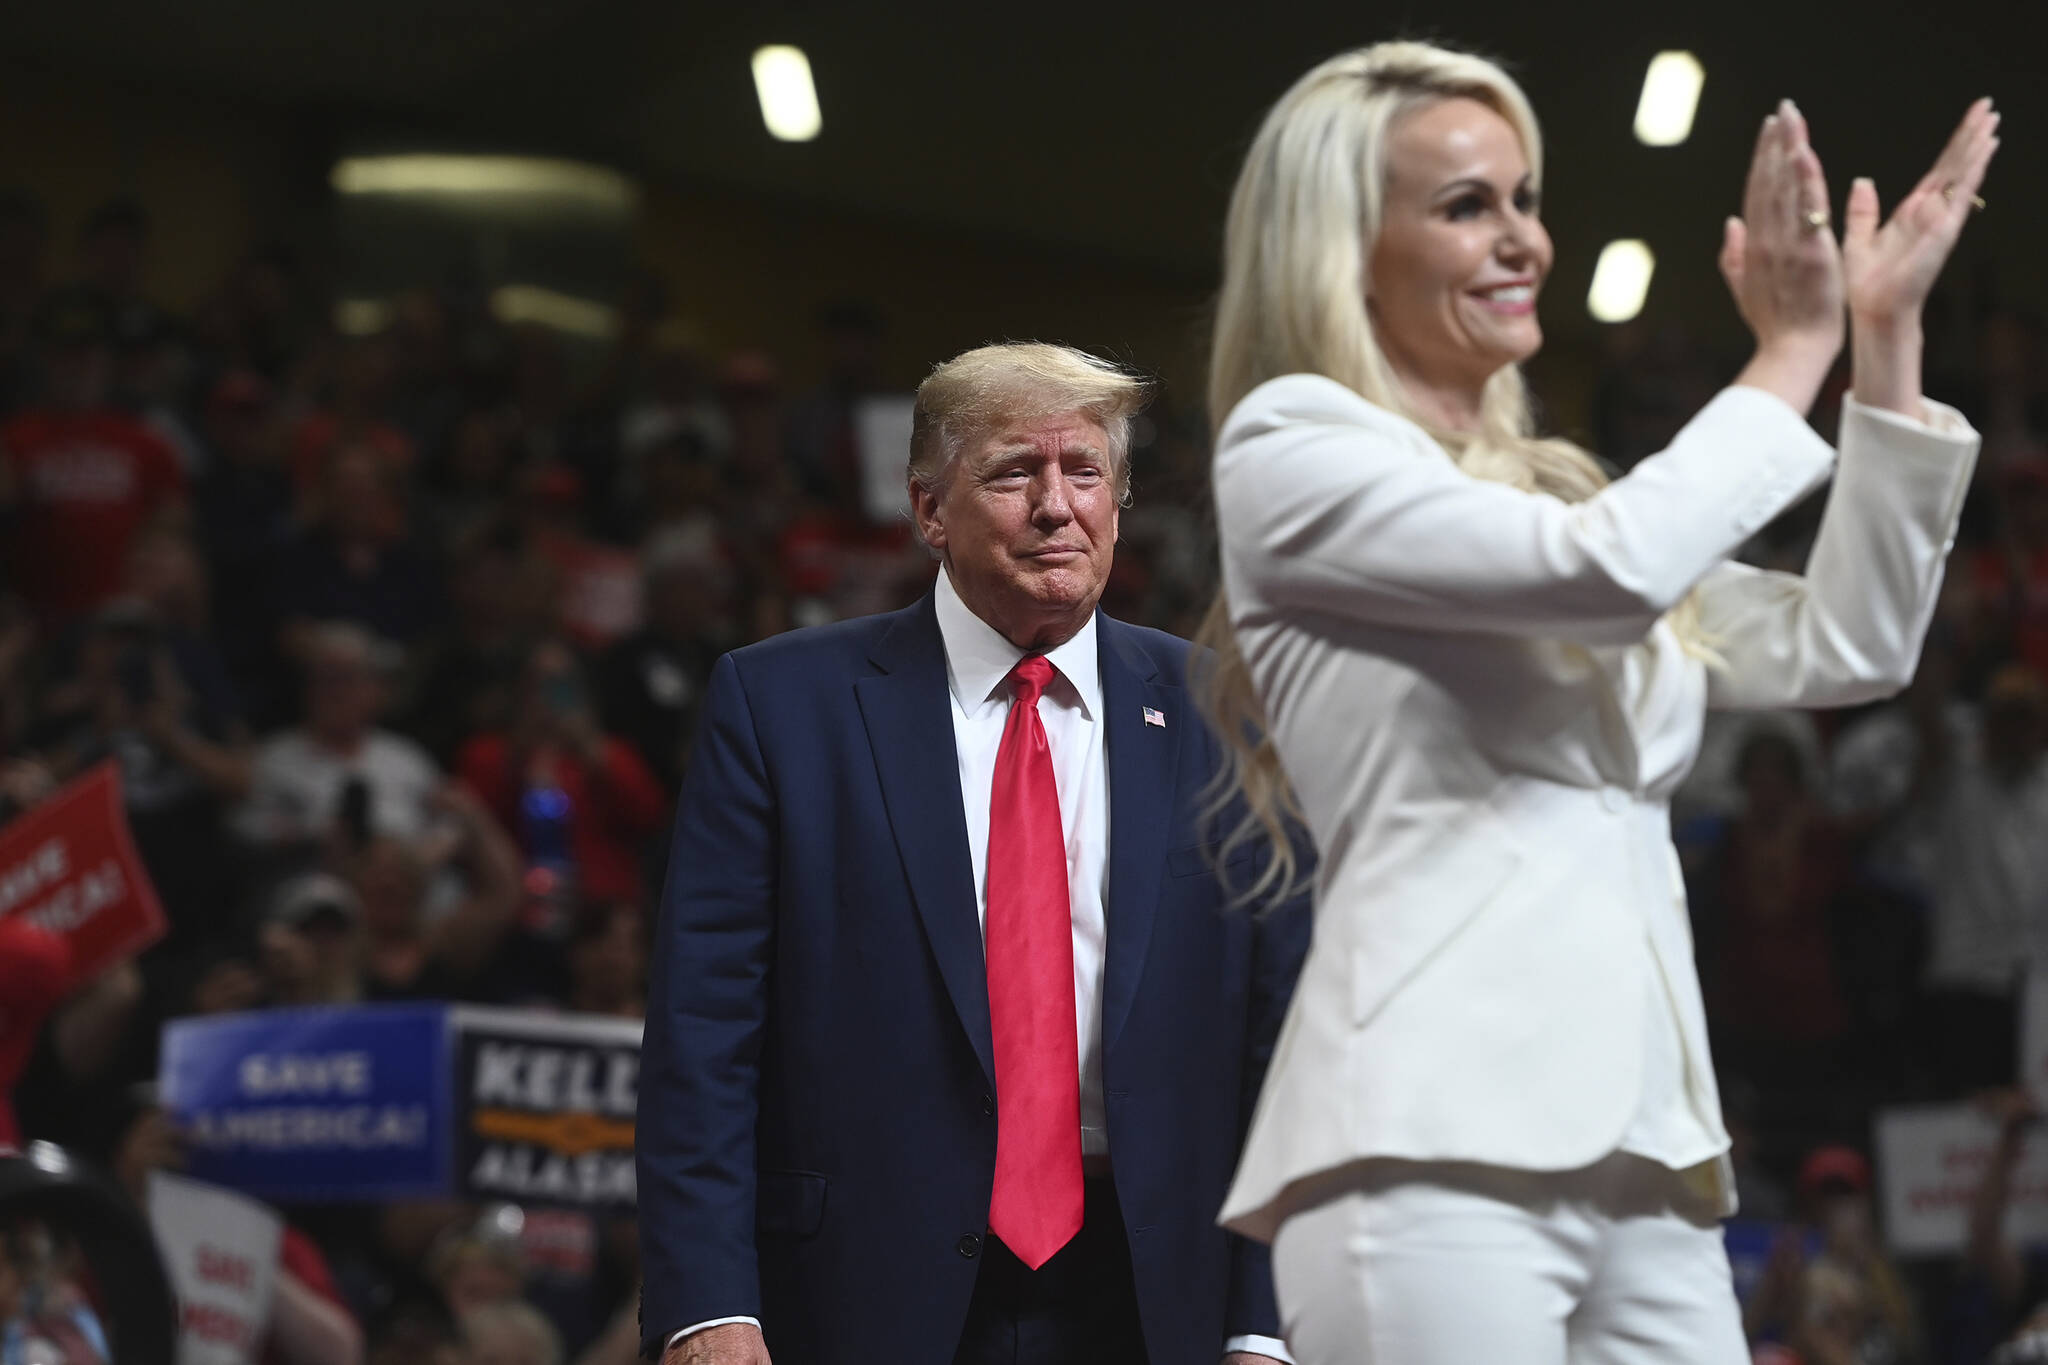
<point x="1931" y="1160"/>
<point x="221" y="1250"/>
<point x="881" y="428"/>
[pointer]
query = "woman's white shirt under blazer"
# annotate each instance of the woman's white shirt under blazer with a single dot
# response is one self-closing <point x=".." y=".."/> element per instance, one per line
<point x="1484" y="716"/>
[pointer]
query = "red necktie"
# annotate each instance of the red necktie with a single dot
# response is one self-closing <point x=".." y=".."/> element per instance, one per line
<point x="1036" y="1207"/>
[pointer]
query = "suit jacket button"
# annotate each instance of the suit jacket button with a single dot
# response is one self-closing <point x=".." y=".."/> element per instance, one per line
<point x="969" y="1246"/>
<point x="988" y="1104"/>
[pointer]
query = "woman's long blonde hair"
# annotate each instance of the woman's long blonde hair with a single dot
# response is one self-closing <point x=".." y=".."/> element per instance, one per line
<point x="1303" y="219"/>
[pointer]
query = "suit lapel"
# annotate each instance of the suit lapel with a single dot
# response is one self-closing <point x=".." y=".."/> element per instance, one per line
<point x="1143" y="758"/>
<point x="908" y="714"/>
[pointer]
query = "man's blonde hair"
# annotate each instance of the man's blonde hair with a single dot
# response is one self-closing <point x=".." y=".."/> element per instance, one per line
<point x="976" y="392"/>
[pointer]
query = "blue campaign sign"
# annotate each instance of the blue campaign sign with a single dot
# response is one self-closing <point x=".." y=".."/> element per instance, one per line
<point x="341" y="1103"/>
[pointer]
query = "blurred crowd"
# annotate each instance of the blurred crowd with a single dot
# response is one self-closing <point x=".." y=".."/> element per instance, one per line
<point x="396" y="635"/>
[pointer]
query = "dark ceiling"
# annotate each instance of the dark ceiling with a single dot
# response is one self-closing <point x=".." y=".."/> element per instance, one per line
<point x="1109" y="129"/>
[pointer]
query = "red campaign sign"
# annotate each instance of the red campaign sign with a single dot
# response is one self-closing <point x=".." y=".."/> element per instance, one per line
<point x="70" y="866"/>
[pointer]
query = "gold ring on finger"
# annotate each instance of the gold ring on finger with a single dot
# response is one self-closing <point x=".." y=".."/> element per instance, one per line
<point x="1817" y="220"/>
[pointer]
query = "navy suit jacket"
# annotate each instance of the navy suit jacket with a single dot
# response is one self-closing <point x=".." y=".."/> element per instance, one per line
<point x="817" y="1137"/>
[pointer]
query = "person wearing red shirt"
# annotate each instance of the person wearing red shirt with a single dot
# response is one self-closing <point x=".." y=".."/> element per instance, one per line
<point x="80" y="478"/>
<point x="35" y="976"/>
<point x="568" y="791"/>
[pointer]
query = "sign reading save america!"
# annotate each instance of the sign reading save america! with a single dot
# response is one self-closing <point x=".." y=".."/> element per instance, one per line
<point x="303" y="1104"/>
<point x="545" y="1107"/>
<point x="367" y="1102"/>
<point x="70" y="866"/>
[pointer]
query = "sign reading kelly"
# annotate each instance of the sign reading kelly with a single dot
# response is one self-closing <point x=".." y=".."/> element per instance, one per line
<point x="313" y="1104"/>
<point x="70" y="866"/>
<point x="545" y="1107"/>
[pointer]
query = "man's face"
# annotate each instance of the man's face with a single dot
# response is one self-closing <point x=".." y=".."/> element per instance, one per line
<point x="1026" y="520"/>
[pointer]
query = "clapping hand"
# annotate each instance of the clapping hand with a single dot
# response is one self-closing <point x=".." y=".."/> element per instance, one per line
<point x="1889" y="269"/>
<point x="1782" y="265"/>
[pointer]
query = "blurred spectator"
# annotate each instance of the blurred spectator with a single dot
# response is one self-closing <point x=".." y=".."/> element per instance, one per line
<point x="311" y="943"/>
<point x="1984" y="772"/>
<point x="580" y="800"/>
<point x="599" y="584"/>
<point x="675" y="405"/>
<point x="1780" y="868"/>
<point x="364" y="371"/>
<point x="82" y="478"/>
<point x="420" y="946"/>
<point x="340" y="774"/>
<point x="426" y="397"/>
<point x="144" y="689"/>
<point x="259" y="318"/>
<point x="2003" y="1286"/>
<point x="356" y="561"/>
<point x="35" y="974"/>
<point x="466" y="489"/>
<point x="505" y="596"/>
<point x="113" y="248"/>
<point x="44" y="1317"/>
<point x="479" y="1266"/>
<point x="510" y="1334"/>
<point x="244" y="508"/>
<point x="649" y="684"/>
<point x="309" y="1323"/>
<point x="823" y="439"/>
<point x="608" y="961"/>
<point x="417" y="1329"/>
<point x="678" y="485"/>
<point x="1831" y="1293"/>
<point x="2010" y="577"/>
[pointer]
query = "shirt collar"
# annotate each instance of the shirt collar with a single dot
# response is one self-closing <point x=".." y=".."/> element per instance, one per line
<point x="978" y="658"/>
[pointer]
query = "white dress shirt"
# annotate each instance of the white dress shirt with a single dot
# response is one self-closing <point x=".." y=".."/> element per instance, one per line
<point x="978" y="664"/>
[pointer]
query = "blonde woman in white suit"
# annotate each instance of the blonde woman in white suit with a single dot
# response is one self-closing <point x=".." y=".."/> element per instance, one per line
<point x="1476" y="669"/>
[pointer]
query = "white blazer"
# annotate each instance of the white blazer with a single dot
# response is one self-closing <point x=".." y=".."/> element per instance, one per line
<point x="1484" y="716"/>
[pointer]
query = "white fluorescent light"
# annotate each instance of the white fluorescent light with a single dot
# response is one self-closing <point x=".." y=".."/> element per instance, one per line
<point x="361" y="317"/>
<point x="1620" y="281"/>
<point x="1671" y="94"/>
<point x="428" y="173"/>
<point x="516" y="303"/>
<point x="789" y="102"/>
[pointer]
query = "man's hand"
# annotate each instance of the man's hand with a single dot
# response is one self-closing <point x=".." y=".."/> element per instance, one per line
<point x="733" y="1343"/>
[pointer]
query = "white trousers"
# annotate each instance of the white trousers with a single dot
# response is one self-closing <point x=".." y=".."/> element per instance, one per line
<point x="1424" y="1263"/>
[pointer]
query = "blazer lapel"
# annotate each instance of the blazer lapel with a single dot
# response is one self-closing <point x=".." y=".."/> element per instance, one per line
<point x="908" y="716"/>
<point x="1143" y="758"/>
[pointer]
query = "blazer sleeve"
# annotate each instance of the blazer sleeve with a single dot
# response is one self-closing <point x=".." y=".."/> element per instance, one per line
<point x="1849" y="630"/>
<point x="706" y="1013"/>
<point x="1329" y="504"/>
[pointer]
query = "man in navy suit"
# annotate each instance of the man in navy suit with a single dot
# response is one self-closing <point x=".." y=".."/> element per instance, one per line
<point x="953" y="1037"/>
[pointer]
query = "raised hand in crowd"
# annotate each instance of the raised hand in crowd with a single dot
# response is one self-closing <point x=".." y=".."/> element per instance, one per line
<point x="1989" y="1251"/>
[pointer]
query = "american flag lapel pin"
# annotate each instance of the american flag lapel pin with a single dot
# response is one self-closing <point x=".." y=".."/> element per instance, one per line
<point x="1157" y="718"/>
